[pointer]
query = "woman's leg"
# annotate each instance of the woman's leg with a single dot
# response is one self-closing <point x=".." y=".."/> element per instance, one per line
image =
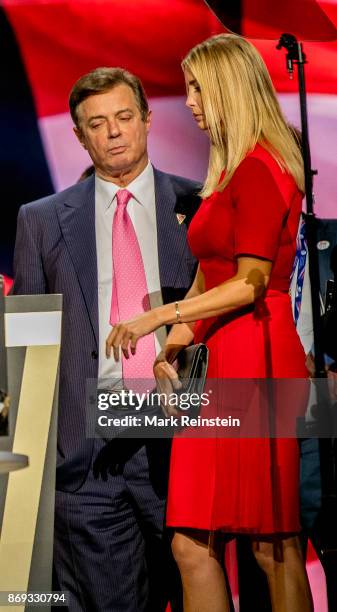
<point x="282" y="561"/>
<point x="200" y="556"/>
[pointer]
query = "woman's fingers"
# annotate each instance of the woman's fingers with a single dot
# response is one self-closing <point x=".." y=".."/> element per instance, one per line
<point x="164" y="386"/>
<point x="118" y="342"/>
<point x="129" y="342"/>
<point x="172" y="375"/>
<point x="167" y="383"/>
<point x="121" y="337"/>
<point x="133" y="344"/>
<point x="172" y="411"/>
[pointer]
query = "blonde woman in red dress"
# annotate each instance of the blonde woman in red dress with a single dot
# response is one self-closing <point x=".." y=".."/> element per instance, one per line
<point x="244" y="237"/>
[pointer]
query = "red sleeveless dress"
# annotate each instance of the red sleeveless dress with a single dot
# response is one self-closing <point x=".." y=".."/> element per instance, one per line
<point x="230" y="483"/>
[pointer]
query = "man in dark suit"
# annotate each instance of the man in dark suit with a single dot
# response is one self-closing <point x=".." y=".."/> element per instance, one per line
<point x="110" y="551"/>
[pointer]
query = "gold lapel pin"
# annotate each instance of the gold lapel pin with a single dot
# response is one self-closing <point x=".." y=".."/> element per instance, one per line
<point x="181" y="218"/>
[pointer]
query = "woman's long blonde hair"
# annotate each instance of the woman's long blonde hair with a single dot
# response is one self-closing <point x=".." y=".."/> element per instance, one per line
<point x="240" y="108"/>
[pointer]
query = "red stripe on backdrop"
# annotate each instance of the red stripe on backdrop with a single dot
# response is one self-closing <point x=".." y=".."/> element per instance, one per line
<point x="60" y="41"/>
<point x="320" y="72"/>
<point x="305" y="19"/>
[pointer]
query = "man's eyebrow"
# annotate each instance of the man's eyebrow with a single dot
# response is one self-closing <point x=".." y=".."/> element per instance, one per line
<point x="94" y="117"/>
<point x="124" y="110"/>
<point x="193" y="82"/>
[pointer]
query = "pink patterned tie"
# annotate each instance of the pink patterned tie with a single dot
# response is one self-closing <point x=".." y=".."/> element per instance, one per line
<point x="129" y="291"/>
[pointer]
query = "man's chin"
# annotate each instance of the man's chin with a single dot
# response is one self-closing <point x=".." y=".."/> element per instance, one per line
<point x="118" y="166"/>
<point x="120" y="169"/>
<point x="115" y="173"/>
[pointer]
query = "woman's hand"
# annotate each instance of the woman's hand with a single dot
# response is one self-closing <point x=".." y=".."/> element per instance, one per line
<point x="167" y="383"/>
<point x="126" y="334"/>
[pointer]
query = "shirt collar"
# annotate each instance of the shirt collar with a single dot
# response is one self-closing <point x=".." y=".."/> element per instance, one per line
<point x="140" y="187"/>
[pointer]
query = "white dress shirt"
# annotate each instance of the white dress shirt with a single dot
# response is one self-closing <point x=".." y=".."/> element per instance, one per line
<point x="142" y="211"/>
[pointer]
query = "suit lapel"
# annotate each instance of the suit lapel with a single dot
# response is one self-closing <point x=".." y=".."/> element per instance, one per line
<point x="172" y="247"/>
<point x="77" y="221"/>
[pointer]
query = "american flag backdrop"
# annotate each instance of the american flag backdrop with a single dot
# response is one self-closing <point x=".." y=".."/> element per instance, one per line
<point x="46" y="45"/>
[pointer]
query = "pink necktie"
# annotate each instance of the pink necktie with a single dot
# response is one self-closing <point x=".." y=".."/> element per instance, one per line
<point x="129" y="290"/>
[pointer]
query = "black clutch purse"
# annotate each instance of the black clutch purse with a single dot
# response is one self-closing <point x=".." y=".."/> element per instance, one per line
<point x="192" y="370"/>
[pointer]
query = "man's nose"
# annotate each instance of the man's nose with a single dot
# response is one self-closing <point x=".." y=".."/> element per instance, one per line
<point x="113" y="129"/>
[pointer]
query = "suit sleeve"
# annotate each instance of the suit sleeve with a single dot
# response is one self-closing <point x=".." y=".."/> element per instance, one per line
<point x="259" y="210"/>
<point x="29" y="277"/>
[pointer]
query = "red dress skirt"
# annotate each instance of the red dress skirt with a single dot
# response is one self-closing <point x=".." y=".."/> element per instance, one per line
<point x="248" y="485"/>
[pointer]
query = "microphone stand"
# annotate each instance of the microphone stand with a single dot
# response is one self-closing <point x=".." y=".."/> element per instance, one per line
<point x="296" y="56"/>
<point x="324" y="536"/>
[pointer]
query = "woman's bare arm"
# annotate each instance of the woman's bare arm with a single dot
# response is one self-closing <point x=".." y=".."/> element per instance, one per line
<point x="244" y="288"/>
<point x="181" y="335"/>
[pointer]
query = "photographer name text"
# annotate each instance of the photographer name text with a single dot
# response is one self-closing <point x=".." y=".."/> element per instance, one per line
<point x="155" y="421"/>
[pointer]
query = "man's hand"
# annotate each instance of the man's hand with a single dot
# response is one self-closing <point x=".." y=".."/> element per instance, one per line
<point x="310" y="364"/>
<point x="331" y="376"/>
<point x="332" y="385"/>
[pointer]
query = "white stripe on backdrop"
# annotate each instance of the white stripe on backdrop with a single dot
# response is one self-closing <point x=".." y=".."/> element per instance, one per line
<point x="176" y="145"/>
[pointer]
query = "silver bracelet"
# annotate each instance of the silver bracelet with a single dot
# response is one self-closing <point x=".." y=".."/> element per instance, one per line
<point x="178" y="313"/>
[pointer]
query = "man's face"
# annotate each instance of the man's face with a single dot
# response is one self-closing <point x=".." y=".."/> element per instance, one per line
<point x="113" y="132"/>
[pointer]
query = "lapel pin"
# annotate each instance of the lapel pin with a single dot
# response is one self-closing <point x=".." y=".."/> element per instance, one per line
<point x="181" y="218"/>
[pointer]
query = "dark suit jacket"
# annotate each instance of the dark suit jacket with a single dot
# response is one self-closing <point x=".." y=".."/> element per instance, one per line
<point x="55" y="252"/>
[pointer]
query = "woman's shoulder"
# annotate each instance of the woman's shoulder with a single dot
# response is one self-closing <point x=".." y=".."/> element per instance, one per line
<point x="260" y="172"/>
<point x="261" y="158"/>
<point x="261" y="164"/>
<point x="258" y="164"/>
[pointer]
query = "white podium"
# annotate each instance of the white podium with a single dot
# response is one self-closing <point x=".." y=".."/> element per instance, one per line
<point x="32" y="333"/>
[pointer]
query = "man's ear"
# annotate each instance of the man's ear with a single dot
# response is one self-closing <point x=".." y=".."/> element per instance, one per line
<point x="79" y="136"/>
<point x="148" y="120"/>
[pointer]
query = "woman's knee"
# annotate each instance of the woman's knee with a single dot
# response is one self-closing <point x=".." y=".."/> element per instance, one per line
<point x="189" y="552"/>
<point x="264" y="553"/>
<point x="270" y="555"/>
